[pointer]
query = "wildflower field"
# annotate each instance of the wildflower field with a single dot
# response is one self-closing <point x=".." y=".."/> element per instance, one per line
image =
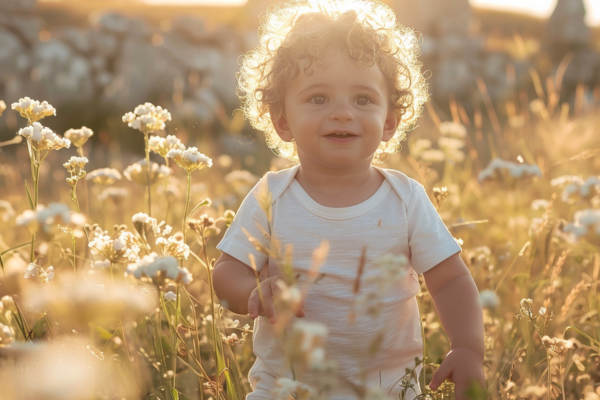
<point x="106" y="273"/>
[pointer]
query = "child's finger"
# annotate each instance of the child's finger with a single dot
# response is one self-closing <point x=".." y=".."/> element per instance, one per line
<point x="270" y="309"/>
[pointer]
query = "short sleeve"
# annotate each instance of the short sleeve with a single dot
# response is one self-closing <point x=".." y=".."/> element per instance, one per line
<point x="429" y="240"/>
<point x="249" y="216"/>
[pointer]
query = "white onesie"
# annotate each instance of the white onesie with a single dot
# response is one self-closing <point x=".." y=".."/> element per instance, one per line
<point x="398" y="219"/>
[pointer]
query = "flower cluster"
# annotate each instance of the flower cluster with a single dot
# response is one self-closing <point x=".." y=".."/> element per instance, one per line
<point x="147" y="118"/>
<point x="45" y="275"/>
<point x="42" y="138"/>
<point x="586" y="225"/>
<point x="124" y="249"/>
<point x="285" y="388"/>
<point x="162" y="146"/>
<point x="79" y="136"/>
<point x="45" y="219"/>
<point x="556" y="345"/>
<point x="391" y="269"/>
<point x="104" y="176"/>
<point x="173" y="247"/>
<point x="306" y="343"/>
<point x="116" y="195"/>
<point x="159" y="270"/>
<point x="6" y="210"/>
<point x="508" y="172"/>
<point x="489" y="298"/>
<point x="190" y="159"/>
<point x="75" y="167"/>
<point x="137" y="172"/>
<point x="579" y="190"/>
<point x="33" y="110"/>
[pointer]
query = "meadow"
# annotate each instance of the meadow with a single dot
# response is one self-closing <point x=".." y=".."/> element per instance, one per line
<point x="106" y="289"/>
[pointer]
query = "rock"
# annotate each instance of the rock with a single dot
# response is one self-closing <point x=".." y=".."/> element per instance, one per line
<point x="26" y="27"/>
<point x="64" y="75"/>
<point x="111" y="22"/>
<point x="77" y="38"/>
<point x="192" y="57"/>
<point x="17" y="5"/>
<point x="567" y="24"/>
<point x="103" y="43"/>
<point x="191" y="28"/>
<point x="144" y="71"/>
<point x="13" y="58"/>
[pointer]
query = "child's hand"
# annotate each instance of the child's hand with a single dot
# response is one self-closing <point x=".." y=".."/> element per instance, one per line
<point x="270" y="290"/>
<point x="460" y="366"/>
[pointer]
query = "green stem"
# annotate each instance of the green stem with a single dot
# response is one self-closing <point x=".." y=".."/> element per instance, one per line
<point x="187" y="204"/>
<point x="148" y="175"/>
<point x="74" y="260"/>
<point x="175" y="338"/>
<point x="36" y="175"/>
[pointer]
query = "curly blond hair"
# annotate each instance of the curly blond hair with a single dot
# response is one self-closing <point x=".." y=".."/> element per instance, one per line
<point x="304" y="29"/>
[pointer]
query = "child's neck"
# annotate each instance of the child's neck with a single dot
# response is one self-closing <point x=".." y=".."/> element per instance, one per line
<point x="339" y="188"/>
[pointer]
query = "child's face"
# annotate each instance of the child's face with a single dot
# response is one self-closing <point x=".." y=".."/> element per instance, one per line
<point x="335" y="98"/>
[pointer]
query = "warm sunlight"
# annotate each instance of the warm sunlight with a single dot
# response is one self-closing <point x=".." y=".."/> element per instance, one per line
<point x="539" y="8"/>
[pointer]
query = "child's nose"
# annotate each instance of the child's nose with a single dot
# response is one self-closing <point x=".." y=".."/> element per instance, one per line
<point x="342" y="112"/>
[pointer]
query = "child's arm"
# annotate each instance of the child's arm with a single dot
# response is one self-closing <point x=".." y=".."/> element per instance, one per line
<point x="457" y="303"/>
<point x="456" y="300"/>
<point x="233" y="282"/>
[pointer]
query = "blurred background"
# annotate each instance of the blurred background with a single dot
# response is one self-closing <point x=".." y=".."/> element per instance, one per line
<point x="95" y="60"/>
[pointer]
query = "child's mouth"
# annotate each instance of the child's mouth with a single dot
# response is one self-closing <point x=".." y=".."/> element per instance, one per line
<point x="341" y="138"/>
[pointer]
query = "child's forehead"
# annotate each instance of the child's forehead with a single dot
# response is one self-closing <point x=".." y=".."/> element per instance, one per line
<point x="337" y="67"/>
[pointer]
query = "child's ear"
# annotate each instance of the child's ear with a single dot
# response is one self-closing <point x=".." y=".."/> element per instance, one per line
<point x="390" y="126"/>
<point x="282" y="128"/>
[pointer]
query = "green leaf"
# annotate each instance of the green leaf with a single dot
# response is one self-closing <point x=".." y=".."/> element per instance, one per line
<point x="28" y="195"/>
<point x="40" y="328"/>
<point x="205" y="202"/>
<point x="9" y="250"/>
<point x="104" y="334"/>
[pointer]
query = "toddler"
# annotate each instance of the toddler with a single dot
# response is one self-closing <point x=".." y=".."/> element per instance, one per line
<point x="335" y="85"/>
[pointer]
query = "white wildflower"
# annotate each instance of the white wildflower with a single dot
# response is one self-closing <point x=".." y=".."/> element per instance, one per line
<point x="508" y="172"/>
<point x="586" y="225"/>
<point x="419" y="146"/>
<point x="433" y="155"/>
<point x="162" y="146"/>
<point x="47" y="219"/>
<point x="147" y="118"/>
<point x="172" y="247"/>
<point x="159" y="270"/>
<point x="453" y="129"/>
<point x="138" y="173"/>
<point x="124" y="249"/>
<point x="30" y="271"/>
<point x="101" y="264"/>
<point x="6" y="210"/>
<point x="190" y="159"/>
<point x="307" y="341"/>
<point x="7" y="334"/>
<point x="104" y="176"/>
<point x="565" y="179"/>
<point x="170" y="296"/>
<point x="540" y="204"/>
<point x="33" y="110"/>
<point x="575" y="191"/>
<point x="116" y="195"/>
<point x="79" y="136"/>
<point x="285" y="388"/>
<point x="42" y="138"/>
<point x="489" y="298"/>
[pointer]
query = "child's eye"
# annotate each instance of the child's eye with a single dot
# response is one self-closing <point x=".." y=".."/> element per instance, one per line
<point x="363" y="97"/>
<point x="317" y="96"/>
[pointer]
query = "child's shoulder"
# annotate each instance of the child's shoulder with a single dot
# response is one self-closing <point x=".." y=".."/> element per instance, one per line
<point x="403" y="184"/>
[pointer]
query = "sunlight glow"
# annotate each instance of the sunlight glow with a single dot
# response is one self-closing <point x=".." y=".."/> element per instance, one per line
<point x="538" y="8"/>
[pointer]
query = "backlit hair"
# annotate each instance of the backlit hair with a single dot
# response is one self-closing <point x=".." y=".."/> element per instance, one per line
<point x="366" y="30"/>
